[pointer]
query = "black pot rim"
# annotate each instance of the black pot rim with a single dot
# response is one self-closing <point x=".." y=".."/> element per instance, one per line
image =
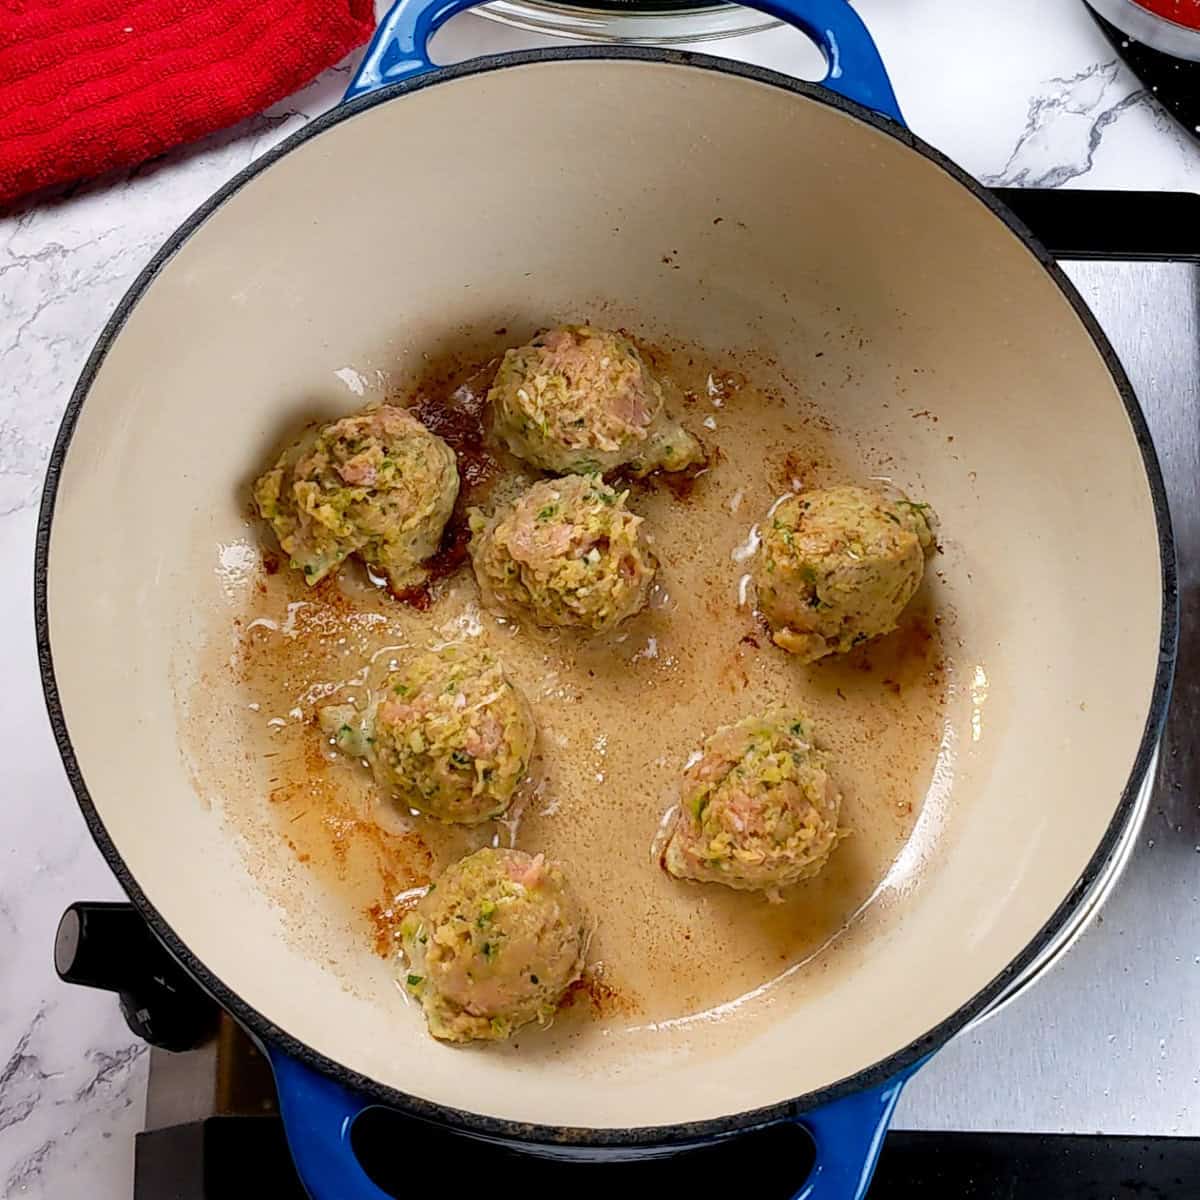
<point x="630" y="1139"/>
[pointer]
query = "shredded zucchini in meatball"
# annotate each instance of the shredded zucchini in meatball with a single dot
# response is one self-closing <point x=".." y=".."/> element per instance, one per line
<point x="837" y="567"/>
<point x="580" y="400"/>
<point x="377" y="484"/>
<point x="757" y="810"/>
<point x="567" y="552"/>
<point x="493" y="945"/>
<point x="448" y="735"/>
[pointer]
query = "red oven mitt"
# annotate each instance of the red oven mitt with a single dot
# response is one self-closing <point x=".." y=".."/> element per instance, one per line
<point x="89" y="85"/>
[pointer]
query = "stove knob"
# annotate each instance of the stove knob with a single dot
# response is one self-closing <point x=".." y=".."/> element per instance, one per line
<point x="109" y="946"/>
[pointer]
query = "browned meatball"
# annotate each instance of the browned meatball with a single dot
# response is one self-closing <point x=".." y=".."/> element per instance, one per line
<point x="449" y="735"/>
<point x="579" y="400"/>
<point x="757" y="810"/>
<point x="494" y="945"/>
<point x="377" y="484"/>
<point x="567" y="552"/>
<point x="837" y="567"/>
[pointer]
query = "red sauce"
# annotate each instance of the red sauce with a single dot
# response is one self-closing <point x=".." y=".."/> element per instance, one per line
<point x="452" y="553"/>
<point x="419" y="596"/>
<point x="456" y="411"/>
<point x="593" y="991"/>
<point x="457" y="416"/>
<point x="387" y="915"/>
<point x="681" y="484"/>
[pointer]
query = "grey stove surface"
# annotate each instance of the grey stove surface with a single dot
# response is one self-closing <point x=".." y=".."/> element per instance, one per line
<point x="1109" y="1040"/>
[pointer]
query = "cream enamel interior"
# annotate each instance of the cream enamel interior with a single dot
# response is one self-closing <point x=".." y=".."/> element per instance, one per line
<point x="519" y="196"/>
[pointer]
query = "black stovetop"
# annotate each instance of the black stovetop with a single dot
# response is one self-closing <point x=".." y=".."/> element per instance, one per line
<point x="243" y="1155"/>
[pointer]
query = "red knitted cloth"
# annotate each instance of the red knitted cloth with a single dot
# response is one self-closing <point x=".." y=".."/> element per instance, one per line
<point x="89" y="85"/>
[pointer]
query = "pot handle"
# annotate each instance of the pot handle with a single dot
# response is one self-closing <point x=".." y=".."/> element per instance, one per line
<point x="847" y="1135"/>
<point x="318" y="1114"/>
<point x="400" y="48"/>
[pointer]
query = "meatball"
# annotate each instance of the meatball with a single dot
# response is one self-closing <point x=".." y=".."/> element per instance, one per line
<point x="757" y="810"/>
<point x="377" y="484"/>
<point x="578" y="399"/>
<point x="567" y="552"/>
<point x="449" y="735"/>
<point x="837" y="566"/>
<point x="493" y="945"/>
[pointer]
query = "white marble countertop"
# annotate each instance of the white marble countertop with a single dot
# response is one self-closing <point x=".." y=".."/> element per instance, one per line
<point x="1021" y="92"/>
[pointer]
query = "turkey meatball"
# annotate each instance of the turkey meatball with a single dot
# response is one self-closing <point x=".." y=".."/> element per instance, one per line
<point x="757" y="809"/>
<point x="448" y="735"/>
<point x="493" y="945"/>
<point x="837" y="566"/>
<point x="578" y="399"/>
<point x="566" y="552"/>
<point x="377" y="484"/>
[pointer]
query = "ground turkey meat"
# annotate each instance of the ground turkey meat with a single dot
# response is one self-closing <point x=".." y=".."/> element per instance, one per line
<point x="837" y="566"/>
<point x="566" y="552"/>
<point x="493" y="945"/>
<point x="377" y="484"/>
<point x="448" y="735"/>
<point x="578" y="399"/>
<point x="757" y="809"/>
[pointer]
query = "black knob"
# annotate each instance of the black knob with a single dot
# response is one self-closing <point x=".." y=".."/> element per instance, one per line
<point x="104" y="946"/>
<point x="109" y="946"/>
